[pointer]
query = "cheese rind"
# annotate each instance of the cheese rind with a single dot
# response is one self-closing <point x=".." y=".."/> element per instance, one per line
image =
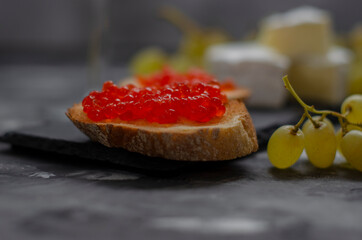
<point x="253" y="66"/>
<point x="298" y="32"/>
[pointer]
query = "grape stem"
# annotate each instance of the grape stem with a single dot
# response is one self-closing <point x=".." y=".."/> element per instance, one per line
<point x="180" y="20"/>
<point x="323" y="116"/>
<point x="296" y="126"/>
<point x="316" y="124"/>
<point x="341" y="117"/>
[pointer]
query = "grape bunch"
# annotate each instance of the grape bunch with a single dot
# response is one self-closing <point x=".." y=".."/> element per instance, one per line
<point x="190" y="53"/>
<point x="317" y="136"/>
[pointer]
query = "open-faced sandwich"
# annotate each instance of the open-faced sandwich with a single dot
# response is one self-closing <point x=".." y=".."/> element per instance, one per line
<point x="188" y="116"/>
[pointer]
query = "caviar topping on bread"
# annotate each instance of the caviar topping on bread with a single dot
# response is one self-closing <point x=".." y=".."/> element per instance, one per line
<point x="174" y="116"/>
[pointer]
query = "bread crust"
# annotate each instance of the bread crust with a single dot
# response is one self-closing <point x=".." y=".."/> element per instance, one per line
<point x="226" y="138"/>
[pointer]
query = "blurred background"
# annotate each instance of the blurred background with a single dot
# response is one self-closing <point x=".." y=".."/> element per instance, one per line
<point x="52" y="52"/>
<point x="59" y="31"/>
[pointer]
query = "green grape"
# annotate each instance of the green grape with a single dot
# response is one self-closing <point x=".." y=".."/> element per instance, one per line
<point x="316" y="118"/>
<point x="148" y="61"/>
<point x="354" y="104"/>
<point x="351" y="146"/>
<point x="339" y="136"/>
<point x="284" y="147"/>
<point x="194" y="45"/>
<point x="181" y="63"/>
<point x="320" y="145"/>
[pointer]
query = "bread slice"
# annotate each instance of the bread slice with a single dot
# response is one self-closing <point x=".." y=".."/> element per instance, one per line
<point x="228" y="137"/>
<point x="239" y="93"/>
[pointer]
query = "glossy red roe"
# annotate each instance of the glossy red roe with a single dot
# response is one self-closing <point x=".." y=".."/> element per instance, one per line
<point x="167" y="76"/>
<point x="164" y="98"/>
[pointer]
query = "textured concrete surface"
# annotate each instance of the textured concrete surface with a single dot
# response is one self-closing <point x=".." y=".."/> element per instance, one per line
<point x="54" y="197"/>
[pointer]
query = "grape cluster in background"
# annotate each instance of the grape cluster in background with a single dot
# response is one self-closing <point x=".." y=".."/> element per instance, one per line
<point x="194" y="42"/>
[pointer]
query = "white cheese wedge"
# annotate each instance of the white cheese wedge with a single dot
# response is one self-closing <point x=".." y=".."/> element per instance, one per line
<point x="254" y="66"/>
<point x="300" y="31"/>
<point x="322" y="79"/>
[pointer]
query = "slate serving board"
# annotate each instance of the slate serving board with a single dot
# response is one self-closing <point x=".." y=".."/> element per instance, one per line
<point x="63" y="138"/>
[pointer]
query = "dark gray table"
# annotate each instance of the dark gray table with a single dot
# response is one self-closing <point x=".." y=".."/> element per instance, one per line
<point x="46" y="196"/>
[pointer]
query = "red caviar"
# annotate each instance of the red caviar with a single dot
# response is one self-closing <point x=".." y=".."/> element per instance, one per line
<point x="167" y="76"/>
<point x="196" y="97"/>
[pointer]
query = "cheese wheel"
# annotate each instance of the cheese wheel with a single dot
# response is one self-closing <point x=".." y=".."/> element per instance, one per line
<point x="300" y="31"/>
<point x="251" y="65"/>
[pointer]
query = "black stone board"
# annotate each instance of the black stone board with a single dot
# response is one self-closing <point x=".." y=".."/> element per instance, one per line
<point x="64" y="138"/>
